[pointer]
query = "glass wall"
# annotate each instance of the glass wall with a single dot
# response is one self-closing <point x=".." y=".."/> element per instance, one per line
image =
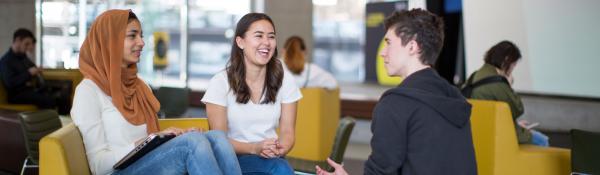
<point x="339" y="38"/>
<point x="200" y="35"/>
<point x="211" y="29"/>
<point x="202" y="30"/>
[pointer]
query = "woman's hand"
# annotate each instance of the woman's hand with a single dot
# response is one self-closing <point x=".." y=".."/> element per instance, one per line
<point x="283" y="148"/>
<point x="172" y="130"/>
<point x="266" y="148"/>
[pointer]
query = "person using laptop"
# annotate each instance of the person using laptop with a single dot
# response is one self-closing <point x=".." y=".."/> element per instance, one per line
<point x="115" y="110"/>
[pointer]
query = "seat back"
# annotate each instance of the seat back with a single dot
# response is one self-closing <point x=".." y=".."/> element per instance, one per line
<point x="174" y="102"/>
<point x="63" y="152"/>
<point x="15" y="107"/>
<point x="342" y="136"/>
<point x="585" y="152"/>
<point x="494" y="136"/>
<point x="3" y="98"/>
<point x="317" y="116"/>
<point x="36" y="125"/>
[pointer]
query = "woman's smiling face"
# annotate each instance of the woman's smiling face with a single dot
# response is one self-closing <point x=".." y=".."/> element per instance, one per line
<point x="258" y="43"/>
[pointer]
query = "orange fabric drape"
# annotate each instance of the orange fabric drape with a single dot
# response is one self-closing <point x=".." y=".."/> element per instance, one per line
<point x="101" y="59"/>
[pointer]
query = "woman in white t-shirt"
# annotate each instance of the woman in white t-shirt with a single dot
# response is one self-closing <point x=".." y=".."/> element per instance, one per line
<point x="306" y="74"/>
<point x="253" y="97"/>
<point x="115" y="110"/>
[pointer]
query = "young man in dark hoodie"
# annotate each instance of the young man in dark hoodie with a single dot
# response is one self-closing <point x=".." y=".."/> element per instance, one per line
<point x="422" y="126"/>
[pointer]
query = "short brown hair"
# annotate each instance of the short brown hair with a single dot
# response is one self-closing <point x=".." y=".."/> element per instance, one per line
<point x="502" y="55"/>
<point x="426" y="28"/>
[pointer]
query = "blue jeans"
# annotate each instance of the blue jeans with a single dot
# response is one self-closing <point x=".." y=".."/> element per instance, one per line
<point x="191" y="153"/>
<point x="538" y="138"/>
<point x="256" y="165"/>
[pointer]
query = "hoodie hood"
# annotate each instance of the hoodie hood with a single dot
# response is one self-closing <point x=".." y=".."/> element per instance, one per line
<point x="427" y="87"/>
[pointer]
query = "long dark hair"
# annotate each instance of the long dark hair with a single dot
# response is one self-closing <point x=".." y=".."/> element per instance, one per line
<point x="236" y="69"/>
<point x="294" y="58"/>
<point x="502" y="55"/>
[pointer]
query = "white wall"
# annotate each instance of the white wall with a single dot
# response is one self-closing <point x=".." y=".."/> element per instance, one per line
<point x="15" y="14"/>
<point x="558" y="41"/>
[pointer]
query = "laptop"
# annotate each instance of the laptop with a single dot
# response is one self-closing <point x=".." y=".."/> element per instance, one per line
<point x="151" y="142"/>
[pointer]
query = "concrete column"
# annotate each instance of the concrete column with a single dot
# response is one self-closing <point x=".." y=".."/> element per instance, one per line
<point x="291" y="17"/>
<point x="15" y="14"/>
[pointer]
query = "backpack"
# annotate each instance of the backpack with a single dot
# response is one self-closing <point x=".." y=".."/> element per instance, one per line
<point x="467" y="90"/>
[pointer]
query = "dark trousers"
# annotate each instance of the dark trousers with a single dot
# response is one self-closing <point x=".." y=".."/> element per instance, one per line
<point x="43" y="99"/>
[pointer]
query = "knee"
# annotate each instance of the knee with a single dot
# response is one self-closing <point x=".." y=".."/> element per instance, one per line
<point x="195" y="140"/>
<point x="281" y="166"/>
<point x="216" y="135"/>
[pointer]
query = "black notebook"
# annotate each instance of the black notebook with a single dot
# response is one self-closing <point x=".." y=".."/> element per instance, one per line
<point x="151" y="142"/>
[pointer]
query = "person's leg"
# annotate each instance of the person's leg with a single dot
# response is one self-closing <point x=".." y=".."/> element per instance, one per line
<point x="256" y="165"/>
<point x="188" y="153"/>
<point x="538" y="138"/>
<point x="224" y="152"/>
<point x="31" y="97"/>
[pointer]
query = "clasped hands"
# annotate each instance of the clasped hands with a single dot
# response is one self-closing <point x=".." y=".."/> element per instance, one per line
<point x="270" y="148"/>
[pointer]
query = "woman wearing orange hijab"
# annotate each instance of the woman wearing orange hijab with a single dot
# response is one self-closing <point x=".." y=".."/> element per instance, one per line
<point x="114" y="109"/>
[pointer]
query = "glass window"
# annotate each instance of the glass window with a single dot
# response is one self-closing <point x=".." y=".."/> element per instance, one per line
<point x="338" y="28"/>
<point x="212" y="24"/>
<point x="209" y="32"/>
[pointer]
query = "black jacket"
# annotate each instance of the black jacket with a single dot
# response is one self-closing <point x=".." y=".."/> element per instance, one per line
<point x="422" y="127"/>
<point x="14" y="71"/>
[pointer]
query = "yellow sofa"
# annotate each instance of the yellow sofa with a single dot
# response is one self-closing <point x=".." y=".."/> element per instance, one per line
<point x="15" y="107"/>
<point x="317" y="119"/>
<point x="497" y="151"/>
<point x="62" y="152"/>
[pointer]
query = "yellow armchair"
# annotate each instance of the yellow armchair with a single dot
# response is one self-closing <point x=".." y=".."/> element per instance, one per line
<point x="497" y="151"/>
<point x="15" y="107"/>
<point x="316" y="123"/>
<point x="62" y="152"/>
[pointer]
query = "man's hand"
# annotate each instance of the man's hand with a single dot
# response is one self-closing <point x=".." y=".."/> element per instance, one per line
<point x="34" y="71"/>
<point x="339" y="169"/>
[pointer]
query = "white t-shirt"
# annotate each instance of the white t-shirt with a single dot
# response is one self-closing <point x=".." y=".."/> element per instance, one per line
<point x="314" y="76"/>
<point x="107" y="136"/>
<point x="250" y="122"/>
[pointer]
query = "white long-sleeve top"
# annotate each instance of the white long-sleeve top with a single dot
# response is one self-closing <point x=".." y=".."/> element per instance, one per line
<point x="107" y="136"/>
<point x="314" y="76"/>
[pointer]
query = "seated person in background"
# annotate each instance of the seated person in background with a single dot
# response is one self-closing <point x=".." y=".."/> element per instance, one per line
<point x="305" y="73"/>
<point x="19" y="74"/>
<point x="422" y="126"/>
<point x="115" y="110"/>
<point x="500" y="61"/>
<point x="253" y="97"/>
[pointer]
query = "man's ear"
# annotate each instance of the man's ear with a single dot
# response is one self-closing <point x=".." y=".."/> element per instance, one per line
<point x="413" y="47"/>
<point x="239" y="43"/>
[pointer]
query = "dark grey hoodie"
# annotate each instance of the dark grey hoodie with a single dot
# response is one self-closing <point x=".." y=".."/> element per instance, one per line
<point x="422" y="127"/>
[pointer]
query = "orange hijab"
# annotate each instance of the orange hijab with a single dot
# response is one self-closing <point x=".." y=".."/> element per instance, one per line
<point x="101" y="59"/>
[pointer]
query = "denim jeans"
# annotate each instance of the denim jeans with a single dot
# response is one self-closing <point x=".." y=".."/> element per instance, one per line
<point x="191" y="153"/>
<point x="256" y="165"/>
<point x="538" y="138"/>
